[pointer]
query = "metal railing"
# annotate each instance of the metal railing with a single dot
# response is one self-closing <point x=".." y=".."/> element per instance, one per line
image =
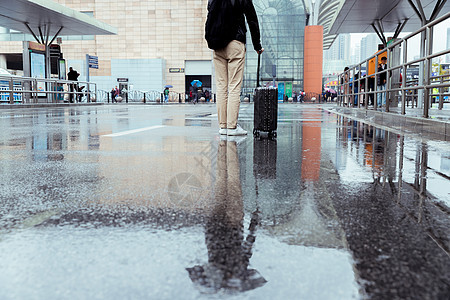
<point x="28" y="90"/>
<point x="135" y="96"/>
<point x="398" y="90"/>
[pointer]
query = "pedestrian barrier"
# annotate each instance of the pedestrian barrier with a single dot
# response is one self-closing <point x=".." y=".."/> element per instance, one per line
<point x="28" y="90"/>
<point x="359" y="85"/>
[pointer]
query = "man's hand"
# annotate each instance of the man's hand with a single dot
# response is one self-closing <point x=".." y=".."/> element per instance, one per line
<point x="260" y="51"/>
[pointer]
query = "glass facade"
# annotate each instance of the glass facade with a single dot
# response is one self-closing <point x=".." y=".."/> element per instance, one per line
<point x="282" y="25"/>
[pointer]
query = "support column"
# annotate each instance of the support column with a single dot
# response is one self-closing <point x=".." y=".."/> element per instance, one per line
<point x="3" y="63"/>
<point x="313" y="59"/>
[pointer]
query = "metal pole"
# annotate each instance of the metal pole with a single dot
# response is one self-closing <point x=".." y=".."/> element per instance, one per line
<point x="366" y="86"/>
<point x="441" y="96"/>
<point x="11" y="93"/>
<point x="87" y="79"/>
<point x="48" y="71"/>
<point x="405" y="59"/>
<point x="420" y="93"/>
<point x="427" y="74"/>
<point x="387" y="86"/>
<point x="358" y="87"/>
<point x="375" y="100"/>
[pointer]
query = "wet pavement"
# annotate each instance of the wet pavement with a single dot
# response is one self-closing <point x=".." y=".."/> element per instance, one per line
<point x="149" y="202"/>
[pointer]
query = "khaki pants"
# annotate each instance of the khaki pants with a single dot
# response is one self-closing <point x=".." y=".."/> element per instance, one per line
<point x="229" y="65"/>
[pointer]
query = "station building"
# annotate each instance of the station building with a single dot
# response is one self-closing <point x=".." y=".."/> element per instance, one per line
<point x="162" y="43"/>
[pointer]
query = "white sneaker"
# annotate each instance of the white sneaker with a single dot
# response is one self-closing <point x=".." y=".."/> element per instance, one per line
<point x="237" y="131"/>
<point x="223" y="131"/>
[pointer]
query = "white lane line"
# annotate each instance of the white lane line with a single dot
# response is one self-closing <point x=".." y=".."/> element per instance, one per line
<point x="133" y="131"/>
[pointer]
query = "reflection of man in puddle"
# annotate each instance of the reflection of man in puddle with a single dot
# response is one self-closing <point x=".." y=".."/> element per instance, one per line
<point x="228" y="253"/>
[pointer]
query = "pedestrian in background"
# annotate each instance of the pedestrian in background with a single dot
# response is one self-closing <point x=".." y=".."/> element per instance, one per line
<point x="355" y="89"/>
<point x="116" y="93"/>
<point x="381" y="83"/>
<point x="225" y="32"/>
<point x="166" y="95"/>
<point x="345" y="81"/>
<point x="72" y="76"/>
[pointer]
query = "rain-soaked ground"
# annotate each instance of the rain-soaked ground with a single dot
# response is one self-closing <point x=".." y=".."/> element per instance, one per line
<point x="148" y="202"/>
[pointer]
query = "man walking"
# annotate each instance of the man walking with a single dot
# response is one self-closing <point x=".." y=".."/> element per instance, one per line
<point x="225" y="32"/>
<point x="166" y="95"/>
<point x="381" y="97"/>
<point x="72" y="75"/>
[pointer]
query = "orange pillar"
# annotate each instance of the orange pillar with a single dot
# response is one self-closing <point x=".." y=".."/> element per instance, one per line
<point x="313" y="59"/>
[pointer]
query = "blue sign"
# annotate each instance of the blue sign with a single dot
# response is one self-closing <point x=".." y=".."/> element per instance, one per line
<point x="93" y="62"/>
<point x="281" y="91"/>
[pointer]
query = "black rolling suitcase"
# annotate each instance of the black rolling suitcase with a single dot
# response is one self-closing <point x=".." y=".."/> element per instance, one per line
<point x="266" y="109"/>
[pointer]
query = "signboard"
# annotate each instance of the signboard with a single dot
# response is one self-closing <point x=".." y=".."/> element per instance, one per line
<point x="36" y="46"/>
<point x="176" y="70"/>
<point x="93" y="61"/>
<point x="445" y="69"/>
<point x="372" y="65"/>
<point x="281" y="91"/>
<point x="289" y="89"/>
<point x="37" y="64"/>
<point x="122" y="79"/>
<point x="331" y="83"/>
<point x="62" y="69"/>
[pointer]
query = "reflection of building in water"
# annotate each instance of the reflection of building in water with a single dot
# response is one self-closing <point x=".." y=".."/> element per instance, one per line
<point x="414" y="180"/>
<point x="43" y="142"/>
<point x="176" y="171"/>
<point x="311" y="145"/>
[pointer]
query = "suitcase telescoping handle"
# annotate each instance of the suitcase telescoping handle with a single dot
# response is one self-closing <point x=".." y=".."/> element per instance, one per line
<point x="257" y="72"/>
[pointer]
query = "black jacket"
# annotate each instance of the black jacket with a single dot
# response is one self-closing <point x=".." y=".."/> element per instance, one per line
<point x="382" y="76"/>
<point x="246" y="10"/>
<point x="73" y="75"/>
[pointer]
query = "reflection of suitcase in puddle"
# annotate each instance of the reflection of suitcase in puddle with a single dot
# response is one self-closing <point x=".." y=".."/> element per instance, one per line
<point x="265" y="109"/>
<point x="265" y="159"/>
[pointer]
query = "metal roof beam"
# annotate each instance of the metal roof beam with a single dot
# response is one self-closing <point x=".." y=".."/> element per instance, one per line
<point x="422" y="13"/>
<point x="380" y="32"/>
<point x="56" y="35"/>
<point x="31" y="31"/>
<point x="41" y="35"/>
<point x="416" y="10"/>
<point x="437" y="9"/>
<point x="400" y="28"/>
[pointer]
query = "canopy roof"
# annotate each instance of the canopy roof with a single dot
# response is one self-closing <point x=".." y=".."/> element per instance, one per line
<point x="50" y="17"/>
<point x="357" y="16"/>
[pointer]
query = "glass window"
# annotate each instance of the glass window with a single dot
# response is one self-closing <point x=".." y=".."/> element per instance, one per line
<point x="282" y="26"/>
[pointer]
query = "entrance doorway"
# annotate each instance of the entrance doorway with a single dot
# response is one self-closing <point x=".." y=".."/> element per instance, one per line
<point x="198" y="91"/>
